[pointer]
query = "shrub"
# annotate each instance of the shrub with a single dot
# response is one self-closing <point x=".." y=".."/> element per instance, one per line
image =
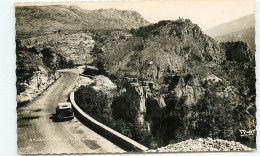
<point x="90" y="71"/>
<point x="91" y="101"/>
<point x="99" y="71"/>
<point x="70" y="64"/>
<point x="213" y="116"/>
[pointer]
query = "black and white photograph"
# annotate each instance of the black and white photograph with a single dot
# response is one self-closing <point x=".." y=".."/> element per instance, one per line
<point x="158" y="76"/>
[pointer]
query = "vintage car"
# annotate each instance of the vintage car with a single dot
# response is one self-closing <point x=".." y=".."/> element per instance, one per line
<point x="64" y="111"/>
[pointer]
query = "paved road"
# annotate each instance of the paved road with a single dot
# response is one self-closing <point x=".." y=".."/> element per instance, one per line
<point x="37" y="133"/>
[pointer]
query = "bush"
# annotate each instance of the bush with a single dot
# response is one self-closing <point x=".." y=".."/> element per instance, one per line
<point x="174" y="119"/>
<point x="90" y="71"/>
<point x="91" y="101"/>
<point x="99" y="71"/>
<point x="70" y="64"/>
<point x="213" y="116"/>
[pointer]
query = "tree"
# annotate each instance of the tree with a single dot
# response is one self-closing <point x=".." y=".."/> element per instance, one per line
<point x="96" y="50"/>
<point x="101" y="68"/>
<point x="70" y="64"/>
<point x="91" y="101"/>
<point x="213" y="116"/>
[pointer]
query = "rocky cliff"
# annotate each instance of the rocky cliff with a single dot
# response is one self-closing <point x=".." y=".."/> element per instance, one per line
<point x="195" y="75"/>
<point x="154" y="51"/>
<point x="74" y="47"/>
<point x="39" y="82"/>
<point x="35" y="70"/>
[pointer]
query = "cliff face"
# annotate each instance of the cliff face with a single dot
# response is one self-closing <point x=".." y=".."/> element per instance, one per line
<point x="238" y="51"/>
<point x="35" y="70"/>
<point x="142" y="99"/>
<point x="38" y="83"/>
<point x="75" y="47"/>
<point x="194" y="75"/>
<point x="152" y="52"/>
<point x="179" y="108"/>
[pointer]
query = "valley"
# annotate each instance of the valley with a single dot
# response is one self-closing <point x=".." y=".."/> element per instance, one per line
<point x="156" y="83"/>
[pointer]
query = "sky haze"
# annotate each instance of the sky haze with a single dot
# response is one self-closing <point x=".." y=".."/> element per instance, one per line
<point x="205" y="13"/>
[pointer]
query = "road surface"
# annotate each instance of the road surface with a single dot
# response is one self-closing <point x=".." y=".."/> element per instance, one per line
<point x="37" y="133"/>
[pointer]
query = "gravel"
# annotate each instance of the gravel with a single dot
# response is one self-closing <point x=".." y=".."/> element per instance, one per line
<point x="203" y="144"/>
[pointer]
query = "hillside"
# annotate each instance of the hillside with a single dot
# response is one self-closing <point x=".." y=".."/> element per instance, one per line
<point x="53" y="37"/>
<point x="232" y="26"/>
<point x="245" y="35"/>
<point x="172" y="75"/>
<point x="75" y="47"/>
<point x="160" y="49"/>
<point x="32" y="21"/>
<point x="242" y="29"/>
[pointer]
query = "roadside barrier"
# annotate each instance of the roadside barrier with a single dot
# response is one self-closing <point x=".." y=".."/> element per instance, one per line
<point x="120" y="140"/>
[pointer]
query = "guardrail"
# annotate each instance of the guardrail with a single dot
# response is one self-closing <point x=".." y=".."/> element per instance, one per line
<point x="110" y="134"/>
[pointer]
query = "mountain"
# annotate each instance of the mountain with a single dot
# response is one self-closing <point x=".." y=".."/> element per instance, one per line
<point x="242" y="29"/>
<point x="153" y="51"/>
<point x="245" y="35"/>
<point x="33" y="21"/>
<point x="173" y="74"/>
<point x="172" y="78"/>
<point x="232" y="26"/>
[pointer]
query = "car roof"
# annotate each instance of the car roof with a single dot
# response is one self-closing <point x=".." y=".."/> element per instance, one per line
<point x="64" y="105"/>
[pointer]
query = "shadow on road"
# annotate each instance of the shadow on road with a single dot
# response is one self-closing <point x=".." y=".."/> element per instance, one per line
<point x="54" y="118"/>
<point x="28" y="118"/>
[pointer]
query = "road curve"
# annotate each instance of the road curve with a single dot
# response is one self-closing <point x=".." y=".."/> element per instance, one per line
<point x="38" y="134"/>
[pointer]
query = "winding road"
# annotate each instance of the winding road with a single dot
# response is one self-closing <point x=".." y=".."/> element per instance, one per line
<point x="38" y="134"/>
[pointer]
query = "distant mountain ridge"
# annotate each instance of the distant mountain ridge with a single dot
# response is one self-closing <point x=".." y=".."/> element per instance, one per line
<point x="232" y="26"/>
<point x="242" y="29"/>
<point x="245" y="35"/>
<point x="33" y="21"/>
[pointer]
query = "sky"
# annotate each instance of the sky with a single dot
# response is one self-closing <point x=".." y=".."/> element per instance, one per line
<point x="205" y="13"/>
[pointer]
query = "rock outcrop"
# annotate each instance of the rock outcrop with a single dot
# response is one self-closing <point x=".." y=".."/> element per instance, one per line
<point x="99" y="83"/>
<point x="159" y="49"/>
<point x="238" y="51"/>
<point x="35" y="70"/>
<point x="140" y="101"/>
<point x="188" y="66"/>
<point x="38" y="83"/>
<point x="75" y="47"/>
